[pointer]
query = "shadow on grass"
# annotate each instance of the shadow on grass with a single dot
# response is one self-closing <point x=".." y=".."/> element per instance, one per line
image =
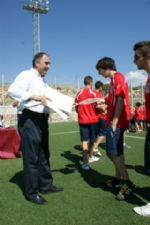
<point x="138" y="195"/>
<point x="143" y="192"/>
<point x="103" y="145"/>
<point x="92" y="177"/>
<point x="70" y="168"/>
<point x="78" y="147"/>
<point x="96" y="179"/>
<point x="18" y="180"/>
<point x="139" y="169"/>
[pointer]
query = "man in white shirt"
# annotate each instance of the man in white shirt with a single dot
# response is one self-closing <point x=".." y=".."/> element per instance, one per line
<point x="29" y="89"/>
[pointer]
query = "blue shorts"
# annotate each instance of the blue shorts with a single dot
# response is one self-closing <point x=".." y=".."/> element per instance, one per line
<point x="101" y="127"/>
<point x="114" y="141"/>
<point x="88" y="132"/>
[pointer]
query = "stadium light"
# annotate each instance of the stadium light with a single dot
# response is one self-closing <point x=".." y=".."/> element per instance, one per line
<point x="37" y="7"/>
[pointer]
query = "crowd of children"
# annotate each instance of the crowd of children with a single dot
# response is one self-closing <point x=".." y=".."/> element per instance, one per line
<point x="116" y="107"/>
<point x="105" y="117"/>
<point x="138" y="118"/>
<point x="92" y="116"/>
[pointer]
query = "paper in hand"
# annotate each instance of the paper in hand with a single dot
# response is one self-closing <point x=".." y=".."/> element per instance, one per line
<point x="90" y="101"/>
<point x="51" y="105"/>
<point x="61" y="101"/>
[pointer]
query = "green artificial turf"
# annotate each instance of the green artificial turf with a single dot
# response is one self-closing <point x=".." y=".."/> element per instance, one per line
<point x="85" y="200"/>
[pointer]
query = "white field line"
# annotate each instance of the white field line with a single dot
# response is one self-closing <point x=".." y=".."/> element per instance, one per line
<point x="60" y="133"/>
<point x="73" y="132"/>
<point x="136" y="137"/>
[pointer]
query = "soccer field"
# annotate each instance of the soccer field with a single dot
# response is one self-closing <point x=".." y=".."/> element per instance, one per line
<point x="85" y="200"/>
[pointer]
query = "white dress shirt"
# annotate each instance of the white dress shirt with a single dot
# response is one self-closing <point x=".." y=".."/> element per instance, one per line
<point x="27" y="84"/>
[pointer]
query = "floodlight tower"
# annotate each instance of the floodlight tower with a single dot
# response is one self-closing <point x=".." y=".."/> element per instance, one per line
<point x="37" y="7"/>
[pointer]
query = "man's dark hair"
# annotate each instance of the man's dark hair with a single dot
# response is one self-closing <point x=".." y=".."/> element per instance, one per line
<point x="106" y="63"/>
<point x="88" y="80"/>
<point x="143" y="47"/>
<point x="38" y="56"/>
<point x="98" y="84"/>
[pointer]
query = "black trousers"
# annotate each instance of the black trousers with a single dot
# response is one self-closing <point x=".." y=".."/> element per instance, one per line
<point x="147" y="150"/>
<point x="33" y="129"/>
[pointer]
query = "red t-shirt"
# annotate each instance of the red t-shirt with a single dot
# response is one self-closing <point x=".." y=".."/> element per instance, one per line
<point x="147" y="99"/>
<point x="118" y="88"/>
<point x="86" y="112"/>
<point x="98" y="111"/>
<point x="132" y="110"/>
<point x="138" y="113"/>
<point x="144" y="113"/>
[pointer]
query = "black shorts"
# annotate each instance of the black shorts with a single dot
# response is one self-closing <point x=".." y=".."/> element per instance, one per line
<point x="88" y="132"/>
<point x="102" y="127"/>
<point x="114" y="141"/>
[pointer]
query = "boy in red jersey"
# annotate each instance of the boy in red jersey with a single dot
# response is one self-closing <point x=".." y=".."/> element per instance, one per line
<point x="132" y="121"/>
<point x="142" y="60"/>
<point x="101" y="113"/>
<point x="118" y="121"/>
<point x="87" y="120"/>
<point x="138" y="116"/>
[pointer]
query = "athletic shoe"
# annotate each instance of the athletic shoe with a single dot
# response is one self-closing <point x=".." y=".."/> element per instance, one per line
<point x="139" y="131"/>
<point x="126" y="146"/>
<point x="143" y="210"/>
<point x="93" y="159"/>
<point x="114" y="183"/>
<point x="85" y="166"/>
<point x="97" y="152"/>
<point x="125" y="191"/>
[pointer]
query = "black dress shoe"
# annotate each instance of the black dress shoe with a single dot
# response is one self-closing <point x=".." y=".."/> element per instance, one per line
<point x="37" y="199"/>
<point x="52" y="190"/>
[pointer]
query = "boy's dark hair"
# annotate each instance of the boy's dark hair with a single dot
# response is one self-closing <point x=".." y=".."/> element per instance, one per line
<point x="106" y="63"/>
<point x="143" y="47"/>
<point x="98" y="84"/>
<point x="88" y="80"/>
<point x="38" y="56"/>
<point x="138" y="104"/>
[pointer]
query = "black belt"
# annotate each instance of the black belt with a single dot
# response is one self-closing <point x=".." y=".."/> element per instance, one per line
<point x="37" y="114"/>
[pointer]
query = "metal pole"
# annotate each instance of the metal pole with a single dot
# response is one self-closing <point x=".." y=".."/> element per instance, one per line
<point x="37" y="7"/>
<point x="36" y="32"/>
<point x="2" y="89"/>
<point x="55" y="82"/>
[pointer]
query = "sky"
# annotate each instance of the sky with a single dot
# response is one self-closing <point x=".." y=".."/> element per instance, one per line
<point x="75" y="34"/>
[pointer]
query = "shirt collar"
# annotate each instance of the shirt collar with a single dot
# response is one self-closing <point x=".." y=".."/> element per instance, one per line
<point x="36" y="73"/>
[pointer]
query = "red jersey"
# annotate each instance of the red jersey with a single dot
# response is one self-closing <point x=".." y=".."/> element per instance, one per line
<point x="86" y="112"/>
<point x="118" y="88"/>
<point x="147" y="99"/>
<point x="132" y="113"/>
<point x="144" y="113"/>
<point x="99" y="113"/>
<point x="138" y="113"/>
